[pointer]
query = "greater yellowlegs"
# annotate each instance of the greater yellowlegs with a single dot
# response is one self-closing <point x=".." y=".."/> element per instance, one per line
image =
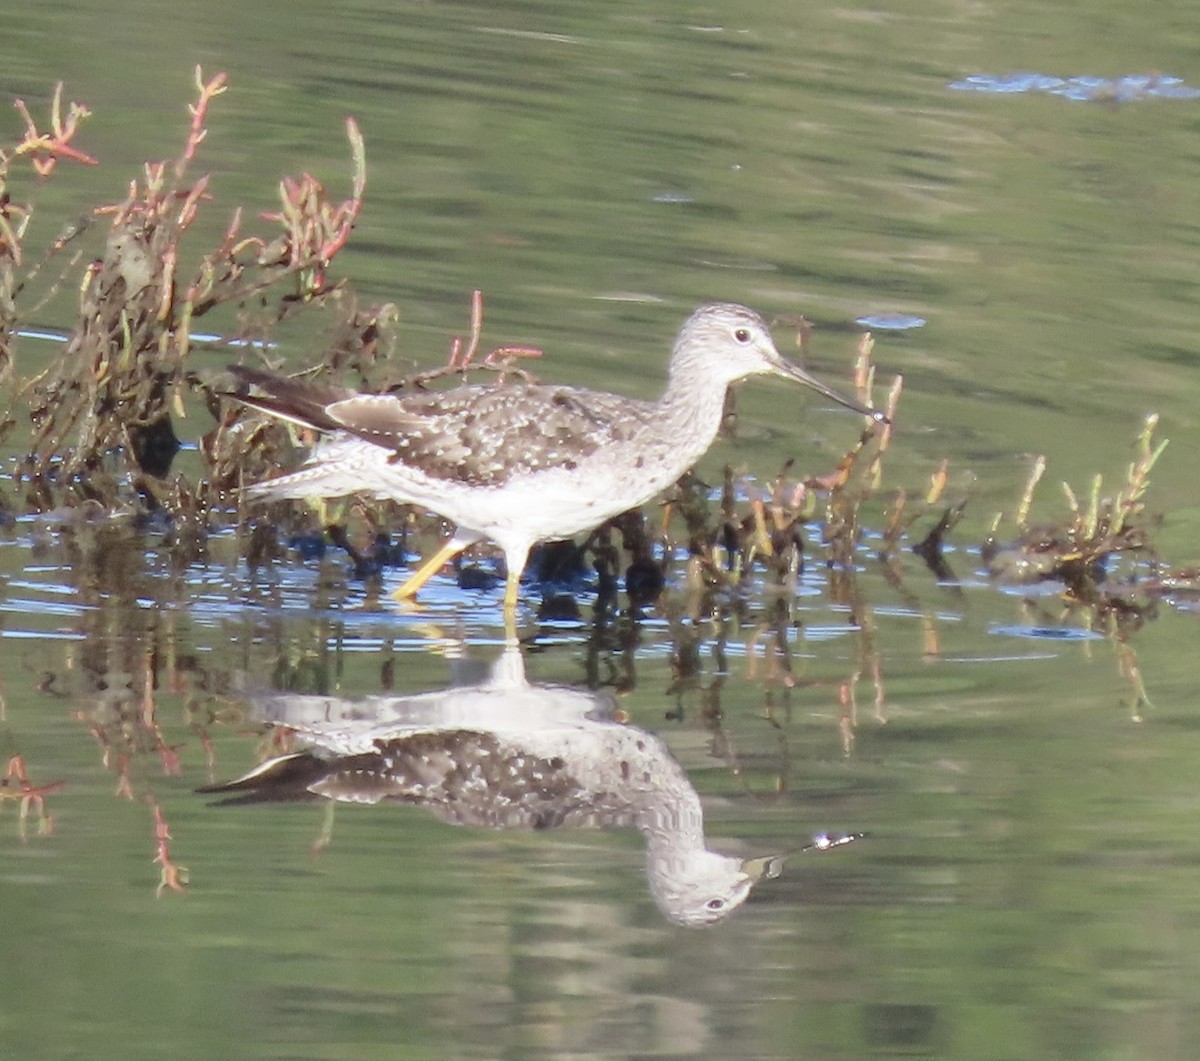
<point x="508" y="754"/>
<point x="524" y="463"/>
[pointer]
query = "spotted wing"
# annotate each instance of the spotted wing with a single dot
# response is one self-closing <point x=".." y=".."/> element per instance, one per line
<point x="485" y="435"/>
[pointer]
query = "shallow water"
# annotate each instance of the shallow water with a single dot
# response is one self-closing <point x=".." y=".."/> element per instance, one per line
<point x="1027" y="883"/>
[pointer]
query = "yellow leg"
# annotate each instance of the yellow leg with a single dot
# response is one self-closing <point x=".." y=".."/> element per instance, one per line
<point x="430" y="568"/>
<point x="512" y="586"/>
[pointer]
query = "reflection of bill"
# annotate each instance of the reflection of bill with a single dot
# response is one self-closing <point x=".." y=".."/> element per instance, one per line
<point x="507" y="754"/>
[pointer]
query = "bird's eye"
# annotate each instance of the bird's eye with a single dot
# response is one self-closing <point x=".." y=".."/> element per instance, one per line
<point x="742" y="335"/>
<point x="715" y="904"/>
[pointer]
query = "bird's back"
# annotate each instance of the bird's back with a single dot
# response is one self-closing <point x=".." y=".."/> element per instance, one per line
<point x="487" y="435"/>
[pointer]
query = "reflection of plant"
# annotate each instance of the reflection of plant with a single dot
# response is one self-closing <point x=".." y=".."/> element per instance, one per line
<point x="1079" y="551"/>
<point x="172" y="875"/>
<point x="28" y="795"/>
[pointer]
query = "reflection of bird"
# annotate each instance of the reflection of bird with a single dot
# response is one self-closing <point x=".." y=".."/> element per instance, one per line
<point x="509" y="755"/>
<point x="524" y="463"/>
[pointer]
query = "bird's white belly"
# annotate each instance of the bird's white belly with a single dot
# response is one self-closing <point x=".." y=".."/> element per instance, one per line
<point x="546" y="505"/>
<point x="527" y="508"/>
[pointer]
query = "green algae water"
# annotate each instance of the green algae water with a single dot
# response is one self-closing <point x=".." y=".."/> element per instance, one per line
<point x="1025" y="887"/>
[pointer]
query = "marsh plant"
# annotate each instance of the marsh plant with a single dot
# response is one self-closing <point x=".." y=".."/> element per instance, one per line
<point x="106" y="414"/>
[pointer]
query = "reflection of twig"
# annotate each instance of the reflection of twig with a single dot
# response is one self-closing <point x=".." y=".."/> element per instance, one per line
<point x="847" y="716"/>
<point x="1131" y="672"/>
<point x="930" y="639"/>
<point x="688" y="679"/>
<point x="870" y="660"/>
<point x="173" y="876"/>
<point x="29" y="795"/>
<point x="1077" y="551"/>
<point x="325" y="836"/>
<point x="724" y="747"/>
<point x="776" y="655"/>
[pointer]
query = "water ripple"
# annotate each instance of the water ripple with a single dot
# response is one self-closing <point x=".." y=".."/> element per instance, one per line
<point x="1047" y="633"/>
<point x="1088" y="89"/>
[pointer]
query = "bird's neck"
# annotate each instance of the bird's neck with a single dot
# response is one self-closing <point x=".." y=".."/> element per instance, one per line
<point x="691" y="409"/>
<point x="672" y="821"/>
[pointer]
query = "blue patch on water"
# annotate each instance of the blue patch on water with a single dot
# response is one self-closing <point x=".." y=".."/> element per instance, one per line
<point x="45" y="635"/>
<point x="1089" y="89"/>
<point x="1047" y="633"/>
<point x="892" y="322"/>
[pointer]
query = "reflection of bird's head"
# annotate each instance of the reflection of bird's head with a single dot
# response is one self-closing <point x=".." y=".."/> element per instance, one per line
<point x="700" y="887"/>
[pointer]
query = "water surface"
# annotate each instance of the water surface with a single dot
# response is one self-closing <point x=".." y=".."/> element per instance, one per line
<point x="1026" y="887"/>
